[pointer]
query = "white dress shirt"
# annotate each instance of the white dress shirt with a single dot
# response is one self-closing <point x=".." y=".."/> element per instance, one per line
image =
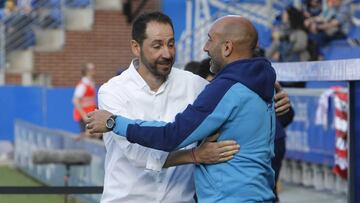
<point x="134" y="173"/>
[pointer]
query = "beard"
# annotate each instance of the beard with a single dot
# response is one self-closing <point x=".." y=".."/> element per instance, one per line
<point x="214" y="66"/>
<point x="152" y="66"/>
<point x="216" y="63"/>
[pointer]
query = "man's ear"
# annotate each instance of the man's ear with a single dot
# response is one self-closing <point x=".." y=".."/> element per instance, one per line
<point x="227" y="48"/>
<point x="135" y="48"/>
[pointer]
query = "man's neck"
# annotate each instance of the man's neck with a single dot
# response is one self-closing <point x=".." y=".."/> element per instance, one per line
<point x="240" y="56"/>
<point x="153" y="81"/>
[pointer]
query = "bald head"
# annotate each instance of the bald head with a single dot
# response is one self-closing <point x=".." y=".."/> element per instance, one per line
<point x="231" y="38"/>
<point x="239" y="30"/>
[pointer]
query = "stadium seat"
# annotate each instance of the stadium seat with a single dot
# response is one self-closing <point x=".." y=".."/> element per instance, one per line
<point x="355" y="32"/>
<point x="77" y="3"/>
<point x="341" y="52"/>
<point x="35" y="4"/>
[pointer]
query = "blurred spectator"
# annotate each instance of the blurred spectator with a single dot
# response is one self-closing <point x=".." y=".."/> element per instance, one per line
<point x="204" y="70"/>
<point x="290" y="39"/>
<point x="284" y="116"/>
<point x="312" y="8"/>
<point x="23" y="3"/>
<point x="2" y="4"/>
<point x="201" y="69"/>
<point x="8" y="8"/>
<point x="84" y="98"/>
<point x="192" y="66"/>
<point x="333" y="23"/>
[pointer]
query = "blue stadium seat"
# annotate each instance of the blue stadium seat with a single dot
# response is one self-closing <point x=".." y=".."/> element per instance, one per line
<point x="57" y="18"/>
<point x="262" y="2"/>
<point x="355" y="32"/>
<point x="52" y="19"/>
<point x="265" y="33"/>
<point x="77" y="3"/>
<point x="340" y="52"/>
<point x="35" y="4"/>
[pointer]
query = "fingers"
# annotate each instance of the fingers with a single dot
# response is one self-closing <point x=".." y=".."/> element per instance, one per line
<point x="282" y="103"/>
<point x="91" y="113"/>
<point x="88" y="120"/>
<point x="228" y="148"/>
<point x="225" y="143"/>
<point x="283" y="109"/>
<point x="228" y="155"/>
<point x="281" y="97"/>
<point x="278" y="87"/>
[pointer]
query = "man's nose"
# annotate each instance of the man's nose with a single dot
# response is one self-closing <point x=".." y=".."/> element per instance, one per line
<point x="205" y="48"/>
<point x="166" y="52"/>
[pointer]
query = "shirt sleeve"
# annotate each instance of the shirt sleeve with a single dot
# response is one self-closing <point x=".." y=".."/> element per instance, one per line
<point x="79" y="90"/>
<point x="137" y="155"/>
<point x="208" y="113"/>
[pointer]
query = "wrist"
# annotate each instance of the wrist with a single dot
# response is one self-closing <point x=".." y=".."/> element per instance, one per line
<point x="111" y="122"/>
<point x="194" y="156"/>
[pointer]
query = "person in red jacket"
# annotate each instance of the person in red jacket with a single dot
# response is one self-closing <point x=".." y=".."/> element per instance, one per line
<point x="84" y="98"/>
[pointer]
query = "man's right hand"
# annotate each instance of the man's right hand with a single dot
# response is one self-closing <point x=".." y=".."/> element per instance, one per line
<point x="211" y="151"/>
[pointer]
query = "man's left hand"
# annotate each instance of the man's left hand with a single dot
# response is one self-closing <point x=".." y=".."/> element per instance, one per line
<point x="96" y="121"/>
<point x="282" y="101"/>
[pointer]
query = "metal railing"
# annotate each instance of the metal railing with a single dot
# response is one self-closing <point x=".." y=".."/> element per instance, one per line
<point x="85" y="180"/>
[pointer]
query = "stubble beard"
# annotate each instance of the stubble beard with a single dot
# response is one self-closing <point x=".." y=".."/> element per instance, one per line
<point x="152" y="68"/>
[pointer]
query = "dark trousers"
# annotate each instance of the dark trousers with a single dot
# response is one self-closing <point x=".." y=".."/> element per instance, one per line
<point x="279" y="149"/>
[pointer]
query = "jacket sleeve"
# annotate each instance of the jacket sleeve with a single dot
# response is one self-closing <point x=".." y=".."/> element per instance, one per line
<point x="208" y="113"/>
<point x="287" y="118"/>
<point x="139" y="156"/>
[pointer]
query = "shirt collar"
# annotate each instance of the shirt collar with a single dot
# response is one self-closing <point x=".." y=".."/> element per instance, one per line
<point x="140" y="82"/>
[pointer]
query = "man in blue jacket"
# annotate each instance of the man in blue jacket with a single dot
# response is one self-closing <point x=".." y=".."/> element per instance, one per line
<point x="238" y="103"/>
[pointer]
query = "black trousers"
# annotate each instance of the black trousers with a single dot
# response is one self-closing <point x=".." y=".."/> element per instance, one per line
<point x="279" y="149"/>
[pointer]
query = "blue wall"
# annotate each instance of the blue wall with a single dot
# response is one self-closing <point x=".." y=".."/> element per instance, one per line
<point x="48" y="107"/>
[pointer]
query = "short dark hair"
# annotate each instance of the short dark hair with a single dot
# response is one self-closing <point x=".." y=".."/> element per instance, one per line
<point x="140" y="24"/>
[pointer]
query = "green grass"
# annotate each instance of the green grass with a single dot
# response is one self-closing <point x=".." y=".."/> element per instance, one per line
<point x="13" y="177"/>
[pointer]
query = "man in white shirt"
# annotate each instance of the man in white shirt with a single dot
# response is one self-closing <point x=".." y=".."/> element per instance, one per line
<point x="150" y="89"/>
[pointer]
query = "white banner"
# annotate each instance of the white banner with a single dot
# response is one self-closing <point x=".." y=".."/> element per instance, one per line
<point x="332" y="70"/>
